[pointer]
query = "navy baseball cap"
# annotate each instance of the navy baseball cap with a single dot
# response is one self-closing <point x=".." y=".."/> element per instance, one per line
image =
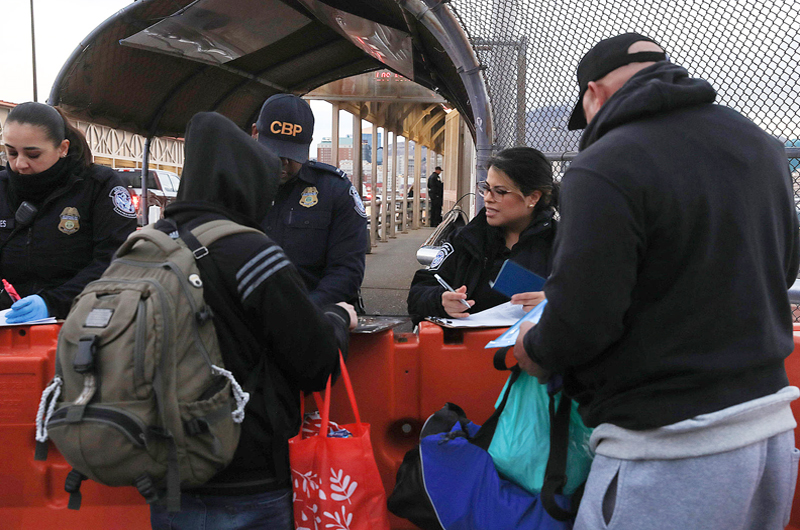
<point x="285" y="126"/>
<point x="605" y="57"/>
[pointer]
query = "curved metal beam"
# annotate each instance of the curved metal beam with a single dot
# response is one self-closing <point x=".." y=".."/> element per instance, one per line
<point x="442" y="24"/>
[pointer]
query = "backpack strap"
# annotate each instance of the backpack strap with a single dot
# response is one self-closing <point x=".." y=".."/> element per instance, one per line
<point x="555" y="475"/>
<point x="197" y="240"/>
<point x="165" y="243"/>
<point x="211" y="231"/>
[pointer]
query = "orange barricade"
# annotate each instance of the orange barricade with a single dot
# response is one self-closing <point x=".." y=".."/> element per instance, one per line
<point x="793" y="371"/>
<point x="32" y="493"/>
<point x="400" y="380"/>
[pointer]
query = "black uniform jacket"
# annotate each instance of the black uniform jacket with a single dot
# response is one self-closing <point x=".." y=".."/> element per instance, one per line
<point x="273" y="338"/>
<point x="473" y="256"/>
<point x="320" y="222"/>
<point x="435" y="188"/>
<point x="76" y="231"/>
<point x="677" y="242"/>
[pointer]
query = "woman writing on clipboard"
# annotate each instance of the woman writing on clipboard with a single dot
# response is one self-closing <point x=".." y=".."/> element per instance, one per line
<point x="61" y="216"/>
<point x="516" y="223"/>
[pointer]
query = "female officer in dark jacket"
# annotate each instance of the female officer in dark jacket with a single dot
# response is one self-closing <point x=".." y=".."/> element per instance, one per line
<point x="516" y="223"/>
<point x="61" y="216"/>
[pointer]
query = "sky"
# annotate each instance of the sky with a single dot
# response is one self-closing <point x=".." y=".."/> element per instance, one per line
<point x="59" y="31"/>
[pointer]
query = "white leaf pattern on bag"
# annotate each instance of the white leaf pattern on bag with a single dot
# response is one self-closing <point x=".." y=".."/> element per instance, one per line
<point x="342" y="486"/>
<point x="342" y="523"/>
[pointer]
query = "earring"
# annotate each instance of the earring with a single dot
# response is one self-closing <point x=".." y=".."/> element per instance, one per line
<point x="531" y="205"/>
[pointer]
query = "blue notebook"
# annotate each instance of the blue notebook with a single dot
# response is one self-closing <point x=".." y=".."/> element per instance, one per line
<point x="514" y="278"/>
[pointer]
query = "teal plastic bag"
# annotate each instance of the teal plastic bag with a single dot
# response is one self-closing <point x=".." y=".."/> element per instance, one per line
<point x="521" y="443"/>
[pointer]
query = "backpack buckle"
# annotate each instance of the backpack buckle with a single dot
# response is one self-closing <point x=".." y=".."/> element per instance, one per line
<point x="200" y="252"/>
<point x="84" y="360"/>
<point x="144" y="483"/>
<point x="73" y="486"/>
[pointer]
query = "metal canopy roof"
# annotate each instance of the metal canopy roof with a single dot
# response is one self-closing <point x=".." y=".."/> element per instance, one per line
<point x="154" y="64"/>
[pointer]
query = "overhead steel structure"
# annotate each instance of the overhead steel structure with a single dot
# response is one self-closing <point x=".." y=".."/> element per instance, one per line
<point x="151" y="66"/>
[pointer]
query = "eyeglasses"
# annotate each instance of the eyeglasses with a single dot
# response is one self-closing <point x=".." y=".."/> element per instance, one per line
<point x="497" y="192"/>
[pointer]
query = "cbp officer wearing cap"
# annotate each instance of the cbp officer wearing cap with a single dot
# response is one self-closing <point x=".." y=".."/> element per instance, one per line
<point x="668" y="313"/>
<point x="318" y="217"/>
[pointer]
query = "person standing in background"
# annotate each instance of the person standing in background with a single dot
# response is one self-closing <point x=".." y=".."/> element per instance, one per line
<point x="436" y="196"/>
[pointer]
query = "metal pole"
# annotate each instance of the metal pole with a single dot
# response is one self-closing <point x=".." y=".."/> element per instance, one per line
<point x="445" y="28"/>
<point x="522" y="73"/>
<point x="358" y="177"/>
<point x="145" y="172"/>
<point x="417" y="184"/>
<point x="406" y="148"/>
<point x="33" y="56"/>
<point x="335" y="134"/>
<point x="393" y="196"/>
<point x="385" y="177"/>
<point x="373" y="218"/>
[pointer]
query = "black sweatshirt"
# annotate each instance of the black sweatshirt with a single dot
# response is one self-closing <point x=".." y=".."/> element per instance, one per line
<point x="472" y="256"/>
<point x="677" y="243"/>
<point x="271" y="335"/>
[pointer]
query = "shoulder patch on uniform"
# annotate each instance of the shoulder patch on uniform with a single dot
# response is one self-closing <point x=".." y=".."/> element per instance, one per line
<point x="359" y="204"/>
<point x="121" y="200"/>
<point x="327" y="167"/>
<point x="440" y="256"/>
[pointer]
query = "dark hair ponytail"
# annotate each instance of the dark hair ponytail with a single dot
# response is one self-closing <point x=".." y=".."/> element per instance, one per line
<point x="530" y="171"/>
<point x="56" y="126"/>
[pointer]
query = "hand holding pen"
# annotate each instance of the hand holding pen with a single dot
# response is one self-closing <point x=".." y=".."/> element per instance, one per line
<point x="454" y="301"/>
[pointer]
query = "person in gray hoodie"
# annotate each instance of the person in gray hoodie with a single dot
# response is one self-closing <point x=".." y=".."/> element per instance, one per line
<point x="668" y="314"/>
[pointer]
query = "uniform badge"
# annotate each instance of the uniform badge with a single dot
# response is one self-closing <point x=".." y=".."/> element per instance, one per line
<point x="359" y="204"/>
<point x="122" y="202"/>
<point x="70" y="220"/>
<point x="309" y="197"/>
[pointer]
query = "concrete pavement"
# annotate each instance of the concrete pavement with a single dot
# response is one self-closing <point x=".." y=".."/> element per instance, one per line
<point x="390" y="268"/>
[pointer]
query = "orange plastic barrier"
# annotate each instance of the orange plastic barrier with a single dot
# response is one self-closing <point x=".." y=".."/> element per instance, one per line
<point x="32" y="493"/>
<point x="793" y="371"/>
<point x="400" y="380"/>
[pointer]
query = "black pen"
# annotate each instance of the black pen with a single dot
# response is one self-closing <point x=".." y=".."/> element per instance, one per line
<point x="447" y="286"/>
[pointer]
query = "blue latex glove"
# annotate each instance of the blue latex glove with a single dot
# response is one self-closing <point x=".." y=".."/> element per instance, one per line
<point x="31" y="307"/>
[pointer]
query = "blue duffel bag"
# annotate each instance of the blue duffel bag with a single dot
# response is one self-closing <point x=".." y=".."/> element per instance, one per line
<point x="449" y="481"/>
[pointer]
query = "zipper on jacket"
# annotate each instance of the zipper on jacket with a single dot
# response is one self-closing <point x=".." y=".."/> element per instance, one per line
<point x="126" y="423"/>
<point x="28" y="248"/>
<point x="291" y="211"/>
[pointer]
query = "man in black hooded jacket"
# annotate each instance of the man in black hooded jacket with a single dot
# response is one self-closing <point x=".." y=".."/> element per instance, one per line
<point x="272" y="337"/>
<point x="668" y="313"/>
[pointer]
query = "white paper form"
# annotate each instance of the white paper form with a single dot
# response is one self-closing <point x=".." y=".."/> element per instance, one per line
<point x="500" y="316"/>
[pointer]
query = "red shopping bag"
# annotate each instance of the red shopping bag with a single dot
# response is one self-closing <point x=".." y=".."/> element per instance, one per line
<point x="335" y="479"/>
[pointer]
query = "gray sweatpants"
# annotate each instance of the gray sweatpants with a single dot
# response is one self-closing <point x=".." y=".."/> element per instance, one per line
<point x="745" y="489"/>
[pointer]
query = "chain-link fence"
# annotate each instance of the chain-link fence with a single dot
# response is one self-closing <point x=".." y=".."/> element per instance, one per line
<point x="747" y="49"/>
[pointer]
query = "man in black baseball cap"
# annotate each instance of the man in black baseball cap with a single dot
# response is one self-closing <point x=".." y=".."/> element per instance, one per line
<point x="667" y="309"/>
<point x="318" y="217"/>
<point x="607" y="56"/>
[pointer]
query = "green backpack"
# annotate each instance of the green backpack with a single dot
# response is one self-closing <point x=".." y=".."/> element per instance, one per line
<point x="141" y="396"/>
